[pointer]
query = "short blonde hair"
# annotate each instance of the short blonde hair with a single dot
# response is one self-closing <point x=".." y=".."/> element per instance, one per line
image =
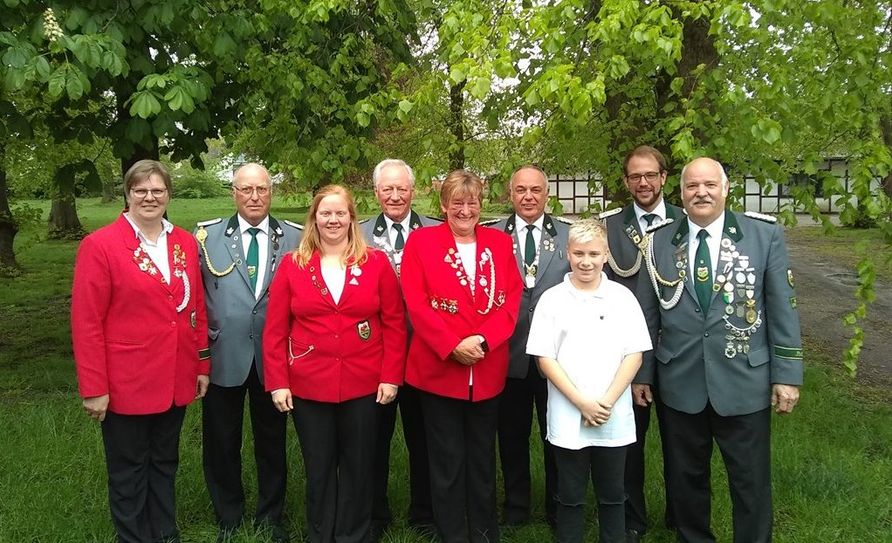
<point x="357" y="250"/>
<point x="586" y="230"/>
<point x="461" y="183"/>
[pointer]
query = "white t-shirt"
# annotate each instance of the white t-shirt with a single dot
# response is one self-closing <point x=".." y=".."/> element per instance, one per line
<point x="589" y="334"/>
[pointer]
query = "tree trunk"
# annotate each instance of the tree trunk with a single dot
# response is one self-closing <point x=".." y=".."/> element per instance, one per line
<point x="64" y="223"/>
<point x="108" y="191"/>
<point x="8" y="227"/>
<point x="457" y="126"/>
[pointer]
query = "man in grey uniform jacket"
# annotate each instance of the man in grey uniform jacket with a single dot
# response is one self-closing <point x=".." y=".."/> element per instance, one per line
<point x="239" y="259"/>
<point x="394" y="183"/>
<point x="540" y="246"/>
<point x="644" y="173"/>
<point x="729" y="350"/>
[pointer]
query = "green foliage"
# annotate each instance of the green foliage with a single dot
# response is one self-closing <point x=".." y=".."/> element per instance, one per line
<point x="191" y="183"/>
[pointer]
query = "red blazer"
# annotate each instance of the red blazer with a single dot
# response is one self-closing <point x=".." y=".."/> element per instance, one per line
<point x="443" y="311"/>
<point x="129" y="341"/>
<point x="331" y="352"/>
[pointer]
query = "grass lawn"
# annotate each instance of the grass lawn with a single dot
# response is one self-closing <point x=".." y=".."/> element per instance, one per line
<point x="832" y="457"/>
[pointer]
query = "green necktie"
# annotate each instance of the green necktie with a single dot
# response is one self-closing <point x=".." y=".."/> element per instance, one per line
<point x="703" y="271"/>
<point x="253" y="257"/>
<point x="650" y="218"/>
<point x="400" y="240"/>
<point x="529" y="252"/>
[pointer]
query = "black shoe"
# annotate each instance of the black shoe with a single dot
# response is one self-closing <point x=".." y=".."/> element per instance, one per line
<point x="633" y="535"/>
<point x="277" y="531"/>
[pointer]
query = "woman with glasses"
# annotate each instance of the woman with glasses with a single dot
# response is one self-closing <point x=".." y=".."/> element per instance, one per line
<point x="334" y="346"/>
<point x="462" y="289"/>
<point x="139" y="331"/>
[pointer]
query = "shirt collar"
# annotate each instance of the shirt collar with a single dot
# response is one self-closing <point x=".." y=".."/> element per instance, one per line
<point x="520" y="225"/>
<point x="166" y="227"/>
<point x="243" y="225"/>
<point x="659" y="211"/>
<point x="407" y="220"/>
<point x="714" y="229"/>
<point x="583" y="294"/>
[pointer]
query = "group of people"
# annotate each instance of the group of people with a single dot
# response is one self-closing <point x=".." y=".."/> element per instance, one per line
<point x="467" y="329"/>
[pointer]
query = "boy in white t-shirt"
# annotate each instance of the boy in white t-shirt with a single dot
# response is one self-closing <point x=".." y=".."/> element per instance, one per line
<point x="588" y="334"/>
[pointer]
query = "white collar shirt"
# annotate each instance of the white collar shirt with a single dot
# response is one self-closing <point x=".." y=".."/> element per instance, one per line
<point x="659" y="211"/>
<point x="262" y="246"/>
<point x="391" y="231"/>
<point x="588" y="334"/>
<point x="157" y="251"/>
<point x="714" y="242"/>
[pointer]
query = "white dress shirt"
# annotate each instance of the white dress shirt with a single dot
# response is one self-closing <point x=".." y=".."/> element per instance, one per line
<point x="263" y="246"/>
<point x="714" y="242"/>
<point x="157" y="251"/>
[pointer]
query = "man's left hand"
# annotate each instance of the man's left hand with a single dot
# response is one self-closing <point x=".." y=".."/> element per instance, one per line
<point x="784" y="398"/>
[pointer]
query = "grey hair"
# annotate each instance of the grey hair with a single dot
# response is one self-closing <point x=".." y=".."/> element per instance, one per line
<point x="586" y="230"/>
<point x="392" y="162"/>
<point x="718" y="165"/>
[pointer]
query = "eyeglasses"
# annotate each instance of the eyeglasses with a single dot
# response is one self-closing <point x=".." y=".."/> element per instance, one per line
<point x="142" y="193"/>
<point x="637" y="177"/>
<point x="248" y="191"/>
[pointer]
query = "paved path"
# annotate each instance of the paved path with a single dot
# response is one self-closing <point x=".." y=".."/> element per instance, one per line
<point x="826" y="293"/>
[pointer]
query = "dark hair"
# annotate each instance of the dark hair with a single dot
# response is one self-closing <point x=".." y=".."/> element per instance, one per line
<point x="645" y="151"/>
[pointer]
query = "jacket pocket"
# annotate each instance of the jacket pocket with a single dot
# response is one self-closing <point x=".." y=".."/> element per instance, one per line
<point x="297" y="350"/>
<point x="758" y="357"/>
<point x="664" y="355"/>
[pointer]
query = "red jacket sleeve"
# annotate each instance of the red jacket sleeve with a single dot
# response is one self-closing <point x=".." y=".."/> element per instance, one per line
<point x="393" y="322"/>
<point x="201" y="313"/>
<point x="90" y="298"/>
<point x="278" y="327"/>
<point x="498" y="326"/>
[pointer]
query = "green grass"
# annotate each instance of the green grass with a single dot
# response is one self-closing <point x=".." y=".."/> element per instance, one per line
<point x="832" y="457"/>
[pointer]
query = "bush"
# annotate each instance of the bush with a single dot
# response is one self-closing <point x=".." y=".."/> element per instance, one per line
<point x="195" y="184"/>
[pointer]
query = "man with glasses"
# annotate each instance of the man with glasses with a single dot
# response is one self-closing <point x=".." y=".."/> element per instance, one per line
<point x="394" y="183"/>
<point x="239" y="259"/>
<point x="644" y="174"/>
<point x="540" y="249"/>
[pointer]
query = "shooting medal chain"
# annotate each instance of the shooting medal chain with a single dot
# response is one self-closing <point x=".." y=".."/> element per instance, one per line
<point x="144" y="262"/>
<point x="656" y="279"/>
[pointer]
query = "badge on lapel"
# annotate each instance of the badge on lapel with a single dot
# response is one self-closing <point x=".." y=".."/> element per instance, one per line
<point x="364" y="330"/>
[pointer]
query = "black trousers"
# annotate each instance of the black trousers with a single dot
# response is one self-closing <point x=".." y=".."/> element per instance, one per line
<point x="745" y="444"/>
<point x="461" y="440"/>
<point x="604" y="465"/>
<point x="222" y="416"/>
<point x="142" y="456"/>
<point x="636" y="507"/>
<point x="336" y="440"/>
<point x="515" y="425"/>
<point x="420" y="510"/>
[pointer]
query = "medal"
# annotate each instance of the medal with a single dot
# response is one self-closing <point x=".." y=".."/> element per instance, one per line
<point x="702" y="273"/>
<point x="530" y="281"/>
<point x="751" y="316"/>
<point x="364" y="330"/>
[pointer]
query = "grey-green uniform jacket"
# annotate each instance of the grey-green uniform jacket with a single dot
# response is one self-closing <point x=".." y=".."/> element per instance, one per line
<point x="748" y="339"/>
<point x="235" y="317"/>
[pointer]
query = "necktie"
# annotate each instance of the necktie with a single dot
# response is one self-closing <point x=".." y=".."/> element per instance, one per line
<point x="400" y="240"/>
<point x="703" y="271"/>
<point x="650" y="218"/>
<point x="529" y="252"/>
<point x="253" y="257"/>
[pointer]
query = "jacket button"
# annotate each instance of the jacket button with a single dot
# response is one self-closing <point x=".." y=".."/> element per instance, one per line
<point x="254" y="312"/>
<point x="251" y="336"/>
<point x="706" y="334"/>
<point x="696" y="310"/>
<point x="173" y="323"/>
<point x="169" y="297"/>
<point x="532" y="309"/>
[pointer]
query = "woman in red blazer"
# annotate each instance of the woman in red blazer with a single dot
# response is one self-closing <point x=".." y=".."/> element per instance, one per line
<point x="139" y="330"/>
<point x="462" y="291"/>
<point x="334" y="346"/>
